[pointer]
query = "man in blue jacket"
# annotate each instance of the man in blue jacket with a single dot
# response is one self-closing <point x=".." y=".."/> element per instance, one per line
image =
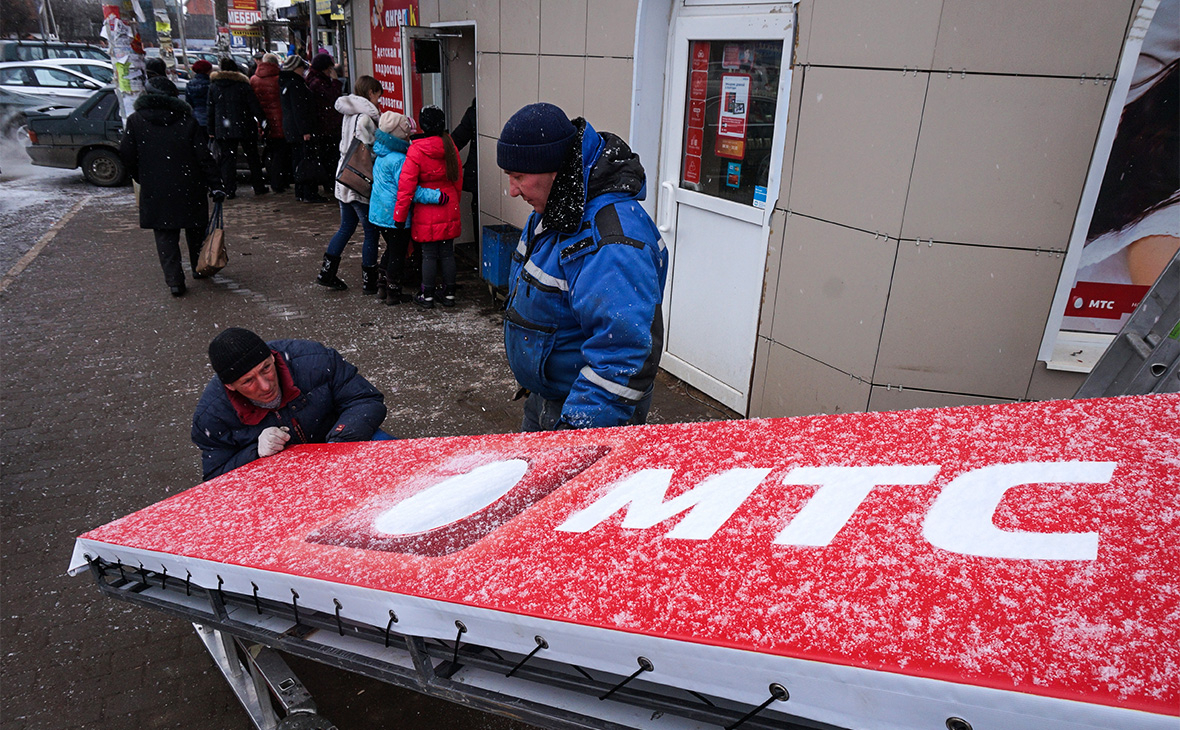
<point x="584" y="329"/>
<point x="266" y="395"/>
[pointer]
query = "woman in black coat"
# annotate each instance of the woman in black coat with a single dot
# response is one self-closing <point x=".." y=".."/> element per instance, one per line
<point x="167" y="153"/>
<point x="299" y="128"/>
<point x="234" y="116"/>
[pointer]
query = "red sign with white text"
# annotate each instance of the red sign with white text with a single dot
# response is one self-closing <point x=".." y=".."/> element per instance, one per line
<point x="386" y="19"/>
<point x="1024" y="548"/>
<point x="1102" y="300"/>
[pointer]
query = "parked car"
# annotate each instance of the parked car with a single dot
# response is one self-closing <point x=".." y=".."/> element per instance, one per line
<point x="25" y="50"/>
<point x="101" y="72"/>
<point x="86" y="137"/>
<point x="13" y="106"/>
<point x="56" y="85"/>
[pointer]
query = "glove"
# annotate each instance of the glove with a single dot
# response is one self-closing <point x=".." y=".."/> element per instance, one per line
<point x="443" y="198"/>
<point x="217" y="195"/>
<point x="272" y="440"/>
<point x="399" y="225"/>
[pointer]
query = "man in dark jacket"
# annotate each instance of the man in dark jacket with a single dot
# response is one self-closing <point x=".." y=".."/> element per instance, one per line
<point x="583" y="330"/>
<point x="166" y="152"/>
<point x="234" y="116"/>
<point x="463" y="135"/>
<point x="299" y="129"/>
<point x="325" y="89"/>
<point x="197" y="92"/>
<point x="267" y="396"/>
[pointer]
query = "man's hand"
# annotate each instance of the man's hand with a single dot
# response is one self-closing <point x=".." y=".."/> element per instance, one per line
<point x="217" y="195"/>
<point x="272" y="440"/>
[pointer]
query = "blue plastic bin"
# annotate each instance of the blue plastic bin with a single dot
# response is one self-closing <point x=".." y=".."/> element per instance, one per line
<point x="498" y="244"/>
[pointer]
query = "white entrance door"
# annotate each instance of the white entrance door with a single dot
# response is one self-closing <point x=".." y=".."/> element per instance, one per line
<point x="725" y="111"/>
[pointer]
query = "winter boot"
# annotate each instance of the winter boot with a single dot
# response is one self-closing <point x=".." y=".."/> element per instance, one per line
<point x="382" y="284"/>
<point x="369" y="280"/>
<point x="426" y="298"/>
<point x="328" y="276"/>
<point x="395" y="295"/>
<point x="448" y="296"/>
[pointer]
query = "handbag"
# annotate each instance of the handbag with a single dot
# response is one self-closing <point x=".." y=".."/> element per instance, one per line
<point x="214" y="255"/>
<point x="356" y="172"/>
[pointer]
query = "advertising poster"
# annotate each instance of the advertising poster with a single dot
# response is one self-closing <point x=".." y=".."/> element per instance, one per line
<point x="732" y="114"/>
<point x="387" y="18"/>
<point x="243" y="14"/>
<point x="694" y="134"/>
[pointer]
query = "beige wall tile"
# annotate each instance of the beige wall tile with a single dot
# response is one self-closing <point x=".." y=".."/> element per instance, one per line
<point x="491" y="179"/>
<point x="770" y="282"/>
<point x="758" y="382"/>
<point x="833" y="284"/>
<point x="1002" y="160"/>
<point x="563" y="83"/>
<point x="803" y="19"/>
<point x="563" y="27"/>
<point x="456" y="10"/>
<point x="965" y="319"/>
<point x="898" y="34"/>
<point x="610" y="27"/>
<point x="488" y="119"/>
<point x="520" y="26"/>
<point x="486" y="14"/>
<point x="428" y="12"/>
<point x="1049" y="384"/>
<point x="518" y="85"/>
<point x="608" y="95"/>
<point x="798" y="75"/>
<point x="362" y="35"/>
<point x="1052" y="37"/>
<point x="797" y="385"/>
<point x="895" y="399"/>
<point x="858" y="129"/>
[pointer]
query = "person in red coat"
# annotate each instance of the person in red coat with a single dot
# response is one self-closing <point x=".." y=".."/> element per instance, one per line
<point x="432" y="162"/>
<point x="265" y="83"/>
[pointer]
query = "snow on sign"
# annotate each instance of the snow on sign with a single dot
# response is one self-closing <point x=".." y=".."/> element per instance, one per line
<point x="1012" y="565"/>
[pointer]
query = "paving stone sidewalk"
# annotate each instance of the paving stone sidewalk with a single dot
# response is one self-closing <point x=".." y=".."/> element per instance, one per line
<point x="101" y="372"/>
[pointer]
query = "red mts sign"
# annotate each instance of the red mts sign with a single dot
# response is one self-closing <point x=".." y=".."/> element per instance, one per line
<point x="1024" y="547"/>
<point x="1103" y="301"/>
<point x="386" y="18"/>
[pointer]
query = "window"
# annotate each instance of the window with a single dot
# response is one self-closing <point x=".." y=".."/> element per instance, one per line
<point x="13" y="77"/>
<point x="102" y="108"/>
<point x="57" y="78"/>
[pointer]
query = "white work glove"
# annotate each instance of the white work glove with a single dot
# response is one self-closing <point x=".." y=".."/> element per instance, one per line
<point x="272" y="440"/>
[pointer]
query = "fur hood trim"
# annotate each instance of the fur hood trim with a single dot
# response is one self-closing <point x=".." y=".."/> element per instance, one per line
<point x="229" y="76"/>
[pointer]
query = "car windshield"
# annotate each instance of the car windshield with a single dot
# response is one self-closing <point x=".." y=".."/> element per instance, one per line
<point x="100" y="73"/>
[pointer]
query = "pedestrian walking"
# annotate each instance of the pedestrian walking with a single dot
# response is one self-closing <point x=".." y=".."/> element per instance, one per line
<point x="265" y="83"/>
<point x="325" y="89"/>
<point x="234" y="119"/>
<point x="389" y="150"/>
<point x="197" y="92"/>
<point x="299" y="129"/>
<point x="432" y="162"/>
<point x="360" y="118"/>
<point x="167" y="153"/>
<point x="583" y="329"/>
<point x="465" y="134"/>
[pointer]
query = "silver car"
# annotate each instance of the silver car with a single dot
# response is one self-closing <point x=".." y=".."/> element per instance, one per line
<point x="54" y="85"/>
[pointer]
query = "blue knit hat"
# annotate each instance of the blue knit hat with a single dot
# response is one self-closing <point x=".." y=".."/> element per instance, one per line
<point x="535" y="139"/>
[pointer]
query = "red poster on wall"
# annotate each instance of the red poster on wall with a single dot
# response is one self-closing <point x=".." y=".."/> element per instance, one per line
<point x="696" y="142"/>
<point x="696" y="113"/>
<point x="700" y="55"/>
<point x="387" y="18"/>
<point x="692" y="170"/>
<point x="699" y="85"/>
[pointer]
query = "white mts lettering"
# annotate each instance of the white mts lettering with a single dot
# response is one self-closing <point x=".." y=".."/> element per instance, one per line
<point x="961" y="519"/>
<point x="842" y="489"/>
<point x="711" y="502"/>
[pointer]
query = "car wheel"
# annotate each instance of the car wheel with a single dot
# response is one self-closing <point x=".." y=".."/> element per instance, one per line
<point x="103" y="167"/>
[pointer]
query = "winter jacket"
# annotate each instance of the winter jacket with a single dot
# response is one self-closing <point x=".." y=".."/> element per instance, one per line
<point x="583" y="319"/>
<point x="325" y="400"/>
<point x="233" y="107"/>
<point x="426" y="167"/>
<point x="265" y="83"/>
<point x="360" y="121"/>
<point x="298" y="114"/>
<point x="167" y="153"/>
<point x="197" y="95"/>
<point x="389" y="153"/>
<point x="324" y="93"/>
<point x="463" y="135"/>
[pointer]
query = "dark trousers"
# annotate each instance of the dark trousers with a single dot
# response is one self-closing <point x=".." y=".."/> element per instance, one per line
<point x="168" y="248"/>
<point x="393" y="261"/>
<point x="227" y="156"/>
<point x="542" y="415"/>
<point x="278" y="164"/>
<point x="435" y="255"/>
<point x="328" y="149"/>
<point x="305" y="184"/>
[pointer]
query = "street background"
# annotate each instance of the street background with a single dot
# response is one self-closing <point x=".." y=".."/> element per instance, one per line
<point x="101" y="372"/>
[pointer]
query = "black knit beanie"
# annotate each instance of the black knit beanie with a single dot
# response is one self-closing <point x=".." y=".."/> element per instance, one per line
<point x="235" y="352"/>
<point x="432" y="120"/>
<point x="535" y="139"/>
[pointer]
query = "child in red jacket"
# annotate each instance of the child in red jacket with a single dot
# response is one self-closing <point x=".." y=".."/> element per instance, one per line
<point x="432" y="162"/>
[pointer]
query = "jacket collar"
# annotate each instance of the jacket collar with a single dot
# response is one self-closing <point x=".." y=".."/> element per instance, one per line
<point x="385" y="143"/>
<point x="597" y="163"/>
<point x="229" y="76"/>
<point x="252" y="415"/>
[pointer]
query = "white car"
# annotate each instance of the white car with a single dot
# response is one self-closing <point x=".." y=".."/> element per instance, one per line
<point x="99" y="71"/>
<point x="54" y="85"/>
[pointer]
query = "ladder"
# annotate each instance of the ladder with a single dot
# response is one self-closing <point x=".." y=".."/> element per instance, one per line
<point x="1145" y="357"/>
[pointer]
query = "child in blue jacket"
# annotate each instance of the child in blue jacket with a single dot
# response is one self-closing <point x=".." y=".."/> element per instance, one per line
<point x="389" y="148"/>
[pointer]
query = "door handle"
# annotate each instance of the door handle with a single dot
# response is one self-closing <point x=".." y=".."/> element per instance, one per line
<point x="669" y="209"/>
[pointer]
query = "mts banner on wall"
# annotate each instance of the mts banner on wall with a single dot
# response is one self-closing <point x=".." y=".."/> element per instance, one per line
<point x="387" y="18"/>
<point x="1013" y="564"/>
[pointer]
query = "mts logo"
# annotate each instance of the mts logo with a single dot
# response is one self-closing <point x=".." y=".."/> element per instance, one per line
<point x="1101" y="304"/>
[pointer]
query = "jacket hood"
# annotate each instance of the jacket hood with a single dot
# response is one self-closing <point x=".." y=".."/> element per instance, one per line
<point x="229" y="76"/>
<point x="385" y="143"/>
<point x="597" y="164"/>
<point x="160" y="109"/>
<point x="353" y="104"/>
<point x="266" y="70"/>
